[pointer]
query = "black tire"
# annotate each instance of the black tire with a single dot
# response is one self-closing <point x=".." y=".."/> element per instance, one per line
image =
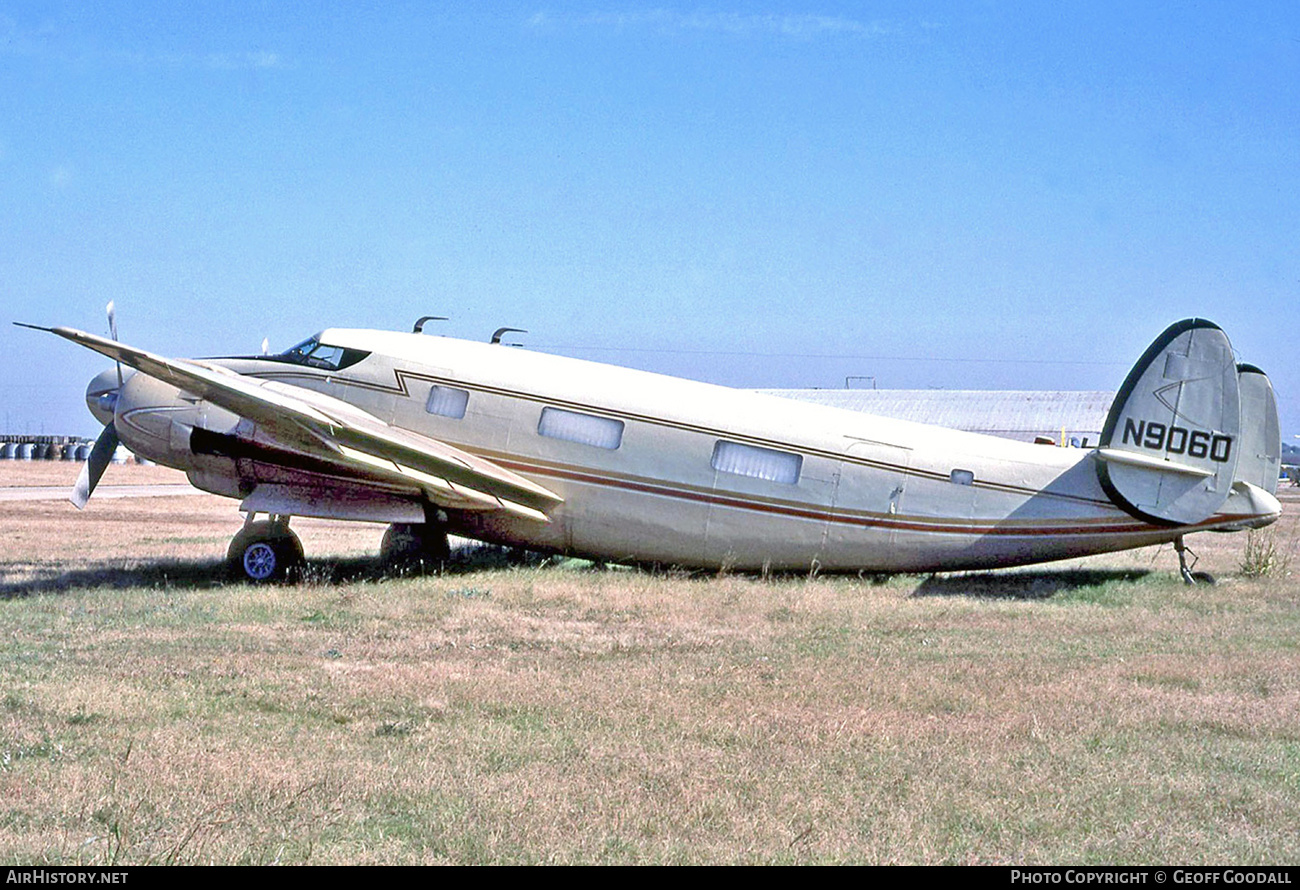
<point x="265" y="553"/>
<point x="415" y="547"/>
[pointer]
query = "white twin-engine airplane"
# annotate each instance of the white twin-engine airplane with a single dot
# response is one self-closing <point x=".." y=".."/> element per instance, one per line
<point x="433" y="434"/>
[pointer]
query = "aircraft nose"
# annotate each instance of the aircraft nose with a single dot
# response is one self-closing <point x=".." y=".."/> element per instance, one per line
<point x="101" y="396"/>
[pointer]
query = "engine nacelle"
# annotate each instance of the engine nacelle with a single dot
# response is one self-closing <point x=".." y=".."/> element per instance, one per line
<point x="156" y="421"/>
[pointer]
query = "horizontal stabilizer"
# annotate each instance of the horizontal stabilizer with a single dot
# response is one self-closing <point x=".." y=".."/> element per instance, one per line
<point x="1171" y="443"/>
<point x="1251" y="507"/>
<point x="1131" y="459"/>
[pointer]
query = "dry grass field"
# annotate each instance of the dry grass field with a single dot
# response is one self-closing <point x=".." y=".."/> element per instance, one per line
<point x="1091" y="712"/>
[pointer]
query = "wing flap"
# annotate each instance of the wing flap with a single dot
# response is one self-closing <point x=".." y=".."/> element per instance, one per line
<point x="439" y="490"/>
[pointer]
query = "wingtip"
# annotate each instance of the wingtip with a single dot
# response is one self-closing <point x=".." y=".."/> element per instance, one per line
<point x="65" y="332"/>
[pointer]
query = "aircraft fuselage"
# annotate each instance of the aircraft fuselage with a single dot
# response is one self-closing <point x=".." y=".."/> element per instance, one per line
<point x="656" y="469"/>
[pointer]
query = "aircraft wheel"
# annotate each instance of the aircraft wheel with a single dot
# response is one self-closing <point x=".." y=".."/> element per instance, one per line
<point x="415" y="546"/>
<point x="265" y="553"/>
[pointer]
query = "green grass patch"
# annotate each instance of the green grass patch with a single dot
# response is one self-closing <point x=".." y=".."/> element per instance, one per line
<point x="551" y="713"/>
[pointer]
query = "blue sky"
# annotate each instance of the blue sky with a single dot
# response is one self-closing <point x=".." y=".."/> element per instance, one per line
<point x="953" y="195"/>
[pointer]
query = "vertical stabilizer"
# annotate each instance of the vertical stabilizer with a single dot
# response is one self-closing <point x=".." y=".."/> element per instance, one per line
<point x="1172" y="441"/>
<point x="1261" y="434"/>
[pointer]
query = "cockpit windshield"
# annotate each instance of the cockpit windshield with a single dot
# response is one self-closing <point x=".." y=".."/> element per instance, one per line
<point x="315" y="354"/>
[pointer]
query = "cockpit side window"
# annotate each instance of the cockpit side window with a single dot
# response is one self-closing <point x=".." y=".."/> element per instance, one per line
<point x="315" y="354"/>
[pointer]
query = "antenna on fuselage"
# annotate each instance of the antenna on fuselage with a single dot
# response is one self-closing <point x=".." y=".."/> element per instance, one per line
<point x="496" y="338"/>
<point x="419" y="325"/>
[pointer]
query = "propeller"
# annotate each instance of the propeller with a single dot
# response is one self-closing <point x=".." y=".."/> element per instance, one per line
<point x="93" y="468"/>
<point x="102" y="454"/>
<point x="112" y="332"/>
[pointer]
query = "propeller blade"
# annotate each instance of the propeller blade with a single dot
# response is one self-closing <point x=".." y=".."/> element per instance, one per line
<point x="112" y="331"/>
<point x="93" y="468"/>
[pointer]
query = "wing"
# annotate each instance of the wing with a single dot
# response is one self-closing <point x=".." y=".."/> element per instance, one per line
<point x="342" y="433"/>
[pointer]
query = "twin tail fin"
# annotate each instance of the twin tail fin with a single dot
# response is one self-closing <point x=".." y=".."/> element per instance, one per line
<point x="1189" y="428"/>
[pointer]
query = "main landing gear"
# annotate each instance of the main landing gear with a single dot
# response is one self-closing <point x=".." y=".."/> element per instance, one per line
<point x="1190" y="577"/>
<point x="415" y="547"/>
<point x="265" y="551"/>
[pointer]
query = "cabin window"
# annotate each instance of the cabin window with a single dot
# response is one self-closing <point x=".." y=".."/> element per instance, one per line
<point x="760" y="463"/>
<point x="447" y="401"/>
<point x="587" y="429"/>
<point x="962" y="477"/>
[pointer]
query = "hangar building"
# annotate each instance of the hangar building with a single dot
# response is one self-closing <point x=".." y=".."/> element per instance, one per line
<point x="1011" y="414"/>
